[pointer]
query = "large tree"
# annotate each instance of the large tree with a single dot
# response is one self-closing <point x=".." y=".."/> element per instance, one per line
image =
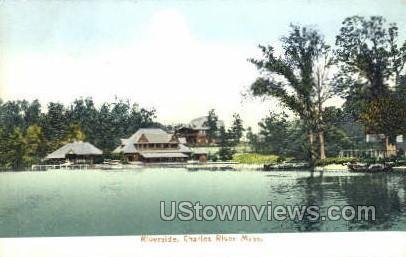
<point x="372" y="62"/>
<point x="292" y="78"/>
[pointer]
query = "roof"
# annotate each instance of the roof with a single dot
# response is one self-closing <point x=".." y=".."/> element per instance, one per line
<point x="153" y="135"/>
<point x="184" y="149"/>
<point x="76" y="148"/>
<point x="118" y="149"/>
<point x="129" y="148"/>
<point x="199" y="123"/>
<point x="163" y="155"/>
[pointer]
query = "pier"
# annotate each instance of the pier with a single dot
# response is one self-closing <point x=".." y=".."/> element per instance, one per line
<point x="40" y="167"/>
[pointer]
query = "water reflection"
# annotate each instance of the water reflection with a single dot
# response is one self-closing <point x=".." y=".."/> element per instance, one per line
<point x="313" y="195"/>
<point x="127" y="203"/>
<point x="385" y="192"/>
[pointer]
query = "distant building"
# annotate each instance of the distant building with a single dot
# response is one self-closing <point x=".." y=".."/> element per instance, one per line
<point x="77" y="152"/>
<point x="401" y="145"/>
<point x="195" y="133"/>
<point x="378" y="148"/>
<point x="154" y="145"/>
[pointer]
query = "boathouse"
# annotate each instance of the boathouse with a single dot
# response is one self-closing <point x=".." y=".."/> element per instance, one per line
<point x="151" y="145"/>
<point x="77" y="152"/>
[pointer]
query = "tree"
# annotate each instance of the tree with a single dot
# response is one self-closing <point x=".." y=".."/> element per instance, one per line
<point x="11" y="116"/>
<point x="371" y="59"/>
<point x="55" y="125"/>
<point x="237" y="129"/>
<point x="323" y="91"/>
<point x="211" y="123"/>
<point x="274" y="130"/>
<point x="27" y="134"/>
<point x="105" y="127"/>
<point x="291" y="77"/>
<point x="83" y="113"/>
<point x="74" y="133"/>
<point x="141" y="118"/>
<point x="32" y="113"/>
<point x="226" y="150"/>
<point x="14" y="150"/>
<point x="386" y="114"/>
<point x="254" y="142"/>
<point x="4" y="158"/>
<point x="34" y="144"/>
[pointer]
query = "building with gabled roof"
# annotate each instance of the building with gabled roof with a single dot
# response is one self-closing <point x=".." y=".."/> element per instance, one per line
<point x="75" y="152"/>
<point x="195" y="132"/>
<point x="153" y="145"/>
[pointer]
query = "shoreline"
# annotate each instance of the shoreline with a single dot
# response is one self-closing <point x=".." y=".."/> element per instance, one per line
<point x="211" y="166"/>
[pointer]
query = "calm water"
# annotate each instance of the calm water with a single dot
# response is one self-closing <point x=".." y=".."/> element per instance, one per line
<point x="84" y="203"/>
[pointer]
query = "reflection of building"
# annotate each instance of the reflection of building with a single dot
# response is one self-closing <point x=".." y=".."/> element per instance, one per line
<point x="195" y="133"/>
<point x="154" y="145"/>
<point x="77" y="152"/>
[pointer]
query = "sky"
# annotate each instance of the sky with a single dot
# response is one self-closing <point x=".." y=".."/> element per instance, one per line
<point x="180" y="57"/>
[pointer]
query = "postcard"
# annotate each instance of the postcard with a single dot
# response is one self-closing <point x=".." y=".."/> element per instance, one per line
<point x="202" y="128"/>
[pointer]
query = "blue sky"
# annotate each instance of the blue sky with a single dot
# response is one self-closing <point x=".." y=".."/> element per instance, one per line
<point x="181" y="57"/>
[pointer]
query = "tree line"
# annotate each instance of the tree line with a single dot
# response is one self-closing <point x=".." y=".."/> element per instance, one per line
<point x="366" y="67"/>
<point x="27" y="133"/>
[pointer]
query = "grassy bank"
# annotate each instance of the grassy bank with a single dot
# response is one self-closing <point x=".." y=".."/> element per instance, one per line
<point x="253" y="158"/>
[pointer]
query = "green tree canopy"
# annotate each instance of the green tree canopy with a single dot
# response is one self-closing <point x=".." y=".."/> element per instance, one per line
<point x="291" y="77"/>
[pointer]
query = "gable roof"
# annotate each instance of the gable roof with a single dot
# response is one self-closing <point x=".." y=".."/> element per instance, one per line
<point x="152" y="135"/>
<point x="77" y="148"/>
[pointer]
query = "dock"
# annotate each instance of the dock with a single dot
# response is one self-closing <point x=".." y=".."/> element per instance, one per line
<point x="41" y="167"/>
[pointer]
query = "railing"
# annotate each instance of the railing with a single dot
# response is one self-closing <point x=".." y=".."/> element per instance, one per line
<point x="41" y="167"/>
<point x="372" y="153"/>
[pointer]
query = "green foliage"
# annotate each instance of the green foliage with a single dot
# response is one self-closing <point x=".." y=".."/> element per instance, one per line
<point x="385" y="114"/>
<point x="226" y="150"/>
<point x="211" y="123"/>
<point x="237" y="129"/>
<point x="275" y="132"/>
<point x="303" y="48"/>
<point x="12" y="149"/>
<point x="370" y="58"/>
<point x="337" y="140"/>
<point x="254" y="158"/>
<point x="74" y="133"/>
<point x="35" y="144"/>
<point x="279" y="136"/>
<point x="27" y="134"/>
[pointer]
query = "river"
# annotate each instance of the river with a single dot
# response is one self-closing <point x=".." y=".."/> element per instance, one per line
<point x="127" y="202"/>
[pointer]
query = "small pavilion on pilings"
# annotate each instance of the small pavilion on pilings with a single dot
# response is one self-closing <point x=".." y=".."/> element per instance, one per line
<point x="77" y="152"/>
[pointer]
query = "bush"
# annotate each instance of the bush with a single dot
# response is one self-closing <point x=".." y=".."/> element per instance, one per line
<point x="252" y="158"/>
<point x="335" y="160"/>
